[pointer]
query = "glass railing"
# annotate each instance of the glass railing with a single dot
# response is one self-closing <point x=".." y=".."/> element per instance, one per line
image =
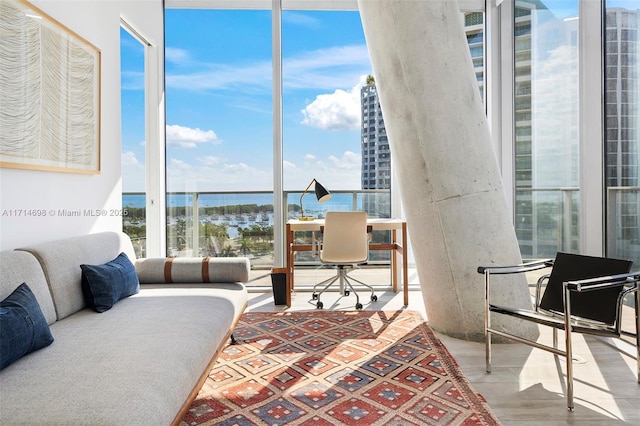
<point x="241" y="223"/>
<point x="623" y="223"/>
<point x="546" y="221"/>
<point x="134" y="221"/>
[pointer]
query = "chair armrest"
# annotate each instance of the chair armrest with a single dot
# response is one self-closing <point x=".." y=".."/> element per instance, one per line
<point x="599" y="283"/>
<point x="516" y="269"/>
<point x="542" y="280"/>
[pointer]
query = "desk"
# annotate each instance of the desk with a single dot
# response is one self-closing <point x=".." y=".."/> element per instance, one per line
<point x="395" y="247"/>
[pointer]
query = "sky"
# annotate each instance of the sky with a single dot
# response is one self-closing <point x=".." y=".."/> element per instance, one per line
<point x="219" y="100"/>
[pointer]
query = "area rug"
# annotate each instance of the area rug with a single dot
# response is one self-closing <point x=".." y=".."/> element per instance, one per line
<point x="337" y="368"/>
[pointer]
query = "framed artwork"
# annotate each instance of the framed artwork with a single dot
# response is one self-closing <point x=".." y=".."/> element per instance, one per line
<point x="49" y="93"/>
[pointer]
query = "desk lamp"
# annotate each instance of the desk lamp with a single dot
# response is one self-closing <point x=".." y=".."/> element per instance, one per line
<point x="321" y="194"/>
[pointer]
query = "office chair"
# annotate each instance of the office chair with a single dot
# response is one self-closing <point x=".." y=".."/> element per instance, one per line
<point x="345" y="244"/>
<point x="582" y="294"/>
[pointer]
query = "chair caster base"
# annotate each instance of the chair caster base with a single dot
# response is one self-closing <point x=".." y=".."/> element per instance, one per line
<point x="319" y="305"/>
<point x="358" y="306"/>
<point x="314" y="296"/>
<point x="374" y="298"/>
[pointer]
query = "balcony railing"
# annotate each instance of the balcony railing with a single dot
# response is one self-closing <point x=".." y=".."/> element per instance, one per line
<point x="241" y="223"/>
<point x="546" y="221"/>
<point x="623" y="223"/>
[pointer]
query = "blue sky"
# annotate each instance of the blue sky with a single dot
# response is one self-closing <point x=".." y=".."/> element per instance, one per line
<point x="219" y="101"/>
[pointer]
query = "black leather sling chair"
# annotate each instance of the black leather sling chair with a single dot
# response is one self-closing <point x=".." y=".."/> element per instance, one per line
<point x="582" y="294"/>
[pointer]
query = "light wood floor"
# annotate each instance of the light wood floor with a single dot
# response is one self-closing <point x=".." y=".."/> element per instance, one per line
<point x="526" y="386"/>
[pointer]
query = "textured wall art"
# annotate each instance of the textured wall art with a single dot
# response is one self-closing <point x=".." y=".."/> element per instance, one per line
<point x="49" y="93"/>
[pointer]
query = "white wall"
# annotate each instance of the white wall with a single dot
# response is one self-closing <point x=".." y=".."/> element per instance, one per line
<point x="99" y="23"/>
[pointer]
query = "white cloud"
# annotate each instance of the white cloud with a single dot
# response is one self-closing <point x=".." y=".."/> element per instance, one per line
<point x="349" y="161"/>
<point x="317" y="69"/>
<point x="129" y="159"/>
<point x="335" y="173"/>
<point x="224" y="76"/>
<point x="339" y="110"/>
<point x="301" y="19"/>
<point x="186" y="137"/>
<point x="214" y="174"/>
<point x="133" y="173"/>
<point x="209" y="160"/>
<point x="176" y="55"/>
<point x="326" y="68"/>
<point x="132" y="80"/>
<point x="179" y="164"/>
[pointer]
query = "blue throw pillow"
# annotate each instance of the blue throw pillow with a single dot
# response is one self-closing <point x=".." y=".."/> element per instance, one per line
<point x="104" y="285"/>
<point x="23" y="328"/>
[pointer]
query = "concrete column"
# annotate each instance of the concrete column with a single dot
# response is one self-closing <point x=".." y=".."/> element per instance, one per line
<point x="443" y="157"/>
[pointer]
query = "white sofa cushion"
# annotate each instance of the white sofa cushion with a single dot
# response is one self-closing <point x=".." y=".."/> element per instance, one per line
<point x="61" y="262"/>
<point x="17" y="267"/>
<point x="132" y="365"/>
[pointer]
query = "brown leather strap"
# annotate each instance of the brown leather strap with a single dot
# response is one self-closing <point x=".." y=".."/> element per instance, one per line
<point x="205" y="269"/>
<point x="167" y="269"/>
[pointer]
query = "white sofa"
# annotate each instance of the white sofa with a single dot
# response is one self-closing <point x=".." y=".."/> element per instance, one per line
<point x="140" y="362"/>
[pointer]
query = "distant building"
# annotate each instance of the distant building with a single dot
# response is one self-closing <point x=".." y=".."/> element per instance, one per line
<point x="622" y="114"/>
<point x="376" y="157"/>
<point x="622" y="130"/>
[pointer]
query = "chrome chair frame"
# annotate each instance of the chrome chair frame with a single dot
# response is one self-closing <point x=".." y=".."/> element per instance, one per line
<point x="570" y="323"/>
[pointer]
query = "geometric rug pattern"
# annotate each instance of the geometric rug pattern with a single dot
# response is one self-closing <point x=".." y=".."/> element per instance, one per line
<point x="336" y="368"/>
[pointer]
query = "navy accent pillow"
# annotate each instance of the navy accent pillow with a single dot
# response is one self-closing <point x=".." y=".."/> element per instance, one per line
<point x="104" y="285"/>
<point x="23" y="328"/>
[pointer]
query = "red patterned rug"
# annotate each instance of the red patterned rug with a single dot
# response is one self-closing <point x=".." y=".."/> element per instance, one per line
<point x="337" y="368"/>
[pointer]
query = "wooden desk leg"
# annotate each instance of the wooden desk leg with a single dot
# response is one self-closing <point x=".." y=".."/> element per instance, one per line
<point x="405" y="263"/>
<point x="394" y="262"/>
<point x="289" y="262"/>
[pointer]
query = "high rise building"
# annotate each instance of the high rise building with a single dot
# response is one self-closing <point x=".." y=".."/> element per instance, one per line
<point x="622" y="130"/>
<point x="474" y="30"/>
<point x="376" y="156"/>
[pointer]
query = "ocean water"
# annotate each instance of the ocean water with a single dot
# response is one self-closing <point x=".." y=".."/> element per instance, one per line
<point x="234" y="222"/>
<point x="336" y="202"/>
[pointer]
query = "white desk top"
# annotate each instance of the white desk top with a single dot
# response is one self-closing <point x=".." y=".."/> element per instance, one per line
<point x="376" y="223"/>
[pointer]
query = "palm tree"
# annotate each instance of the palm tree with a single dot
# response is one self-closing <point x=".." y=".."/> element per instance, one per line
<point x="245" y="245"/>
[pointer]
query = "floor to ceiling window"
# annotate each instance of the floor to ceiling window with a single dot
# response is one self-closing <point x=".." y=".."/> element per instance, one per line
<point x="325" y="66"/>
<point x="133" y="92"/>
<point x="622" y="127"/>
<point x="546" y="127"/>
<point x="219" y="141"/>
<point x="333" y="128"/>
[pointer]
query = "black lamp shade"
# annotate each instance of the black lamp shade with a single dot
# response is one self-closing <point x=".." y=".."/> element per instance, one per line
<point x="321" y="193"/>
